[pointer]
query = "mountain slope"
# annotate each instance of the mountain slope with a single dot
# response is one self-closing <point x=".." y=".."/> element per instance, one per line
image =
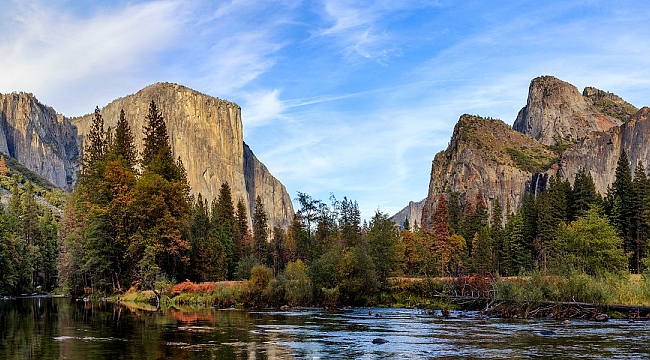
<point x="205" y="132"/>
<point x="558" y="132"/>
<point x="36" y="136"/>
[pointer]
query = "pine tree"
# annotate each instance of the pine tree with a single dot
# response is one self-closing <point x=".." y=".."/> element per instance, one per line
<point x="277" y="250"/>
<point x="406" y="225"/>
<point x="584" y="194"/>
<point x="350" y="222"/>
<point x="242" y="242"/>
<point x="642" y="226"/>
<point x="95" y="149"/>
<point x="496" y="231"/>
<point x="260" y="232"/>
<point x="123" y="144"/>
<point x="155" y="135"/>
<point x="622" y="205"/>
<point x="223" y="221"/>
<point x="455" y="213"/>
<point x="482" y="260"/>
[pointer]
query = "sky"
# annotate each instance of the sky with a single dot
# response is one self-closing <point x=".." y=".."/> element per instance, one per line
<point x="342" y="97"/>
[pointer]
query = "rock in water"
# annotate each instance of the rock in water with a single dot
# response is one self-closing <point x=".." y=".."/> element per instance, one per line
<point x="547" y="333"/>
<point x="601" y="317"/>
<point x="379" y="341"/>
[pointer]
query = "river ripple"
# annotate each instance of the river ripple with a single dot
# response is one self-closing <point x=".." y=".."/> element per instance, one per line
<point x="64" y="329"/>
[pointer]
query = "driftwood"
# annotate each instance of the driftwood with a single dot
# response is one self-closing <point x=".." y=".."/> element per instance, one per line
<point x="555" y="309"/>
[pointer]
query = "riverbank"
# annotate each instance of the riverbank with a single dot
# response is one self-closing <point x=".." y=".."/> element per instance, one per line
<point x="533" y="296"/>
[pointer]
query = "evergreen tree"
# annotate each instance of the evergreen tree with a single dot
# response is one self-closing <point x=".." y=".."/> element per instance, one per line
<point x="482" y="260"/>
<point x="622" y="205"/>
<point x="278" y="258"/>
<point x="584" y="194"/>
<point x="260" y="232"/>
<point x="242" y="242"/>
<point x="642" y="226"/>
<point x="496" y="232"/>
<point x="123" y="144"/>
<point x="517" y="250"/>
<point x="155" y="135"/>
<point x="223" y="221"/>
<point x="95" y="149"/>
<point x="455" y="213"/>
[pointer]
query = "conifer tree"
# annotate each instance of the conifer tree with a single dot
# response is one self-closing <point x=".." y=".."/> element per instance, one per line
<point x="95" y="149"/>
<point x="496" y="231"/>
<point x="440" y="232"/>
<point x="155" y="135"/>
<point x="223" y="221"/>
<point x="455" y="212"/>
<point x="642" y="226"/>
<point x="584" y="194"/>
<point x="260" y="232"/>
<point x="123" y="144"/>
<point x="622" y="205"/>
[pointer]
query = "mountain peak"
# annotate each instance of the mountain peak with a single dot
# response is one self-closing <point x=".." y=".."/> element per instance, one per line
<point x="557" y="113"/>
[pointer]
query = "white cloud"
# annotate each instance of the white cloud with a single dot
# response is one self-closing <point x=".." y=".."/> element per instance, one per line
<point x="51" y="48"/>
<point x="261" y="107"/>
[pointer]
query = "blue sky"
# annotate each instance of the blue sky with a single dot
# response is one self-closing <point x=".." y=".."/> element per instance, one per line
<point x="352" y="98"/>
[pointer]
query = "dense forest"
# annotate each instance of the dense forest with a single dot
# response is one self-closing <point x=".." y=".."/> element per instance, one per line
<point x="131" y="223"/>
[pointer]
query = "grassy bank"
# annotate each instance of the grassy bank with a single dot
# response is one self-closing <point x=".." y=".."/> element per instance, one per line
<point x="522" y="295"/>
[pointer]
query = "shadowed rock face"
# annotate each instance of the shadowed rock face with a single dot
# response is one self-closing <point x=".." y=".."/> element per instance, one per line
<point x="39" y="138"/>
<point x="205" y="132"/>
<point x="599" y="153"/>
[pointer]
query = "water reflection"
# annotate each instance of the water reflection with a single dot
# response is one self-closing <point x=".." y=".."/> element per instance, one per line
<point x="60" y="328"/>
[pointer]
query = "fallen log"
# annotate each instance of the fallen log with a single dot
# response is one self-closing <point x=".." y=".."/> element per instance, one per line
<point x="557" y="309"/>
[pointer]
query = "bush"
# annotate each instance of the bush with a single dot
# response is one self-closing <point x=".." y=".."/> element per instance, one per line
<point x="244" y="267"/>
<point x="256" y="293"/>
<point x="298" y="287"/>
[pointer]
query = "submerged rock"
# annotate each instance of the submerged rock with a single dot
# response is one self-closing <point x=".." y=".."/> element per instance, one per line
<point x="547" y="333"/>
<point x="601" y="317"/>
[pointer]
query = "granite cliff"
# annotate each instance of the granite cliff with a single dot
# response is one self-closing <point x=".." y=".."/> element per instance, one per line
<point x="36" y="136"/>
<point x="559" y="131"/>
<point x="557" y="113"/>
<point x="205" y="132"/>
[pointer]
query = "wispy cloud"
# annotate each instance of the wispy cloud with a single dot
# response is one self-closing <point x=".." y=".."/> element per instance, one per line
<point x="50" y="48"/>
<point x="357" y="27"/>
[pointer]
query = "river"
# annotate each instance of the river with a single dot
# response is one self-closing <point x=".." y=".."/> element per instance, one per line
<point x="60" y="328"/>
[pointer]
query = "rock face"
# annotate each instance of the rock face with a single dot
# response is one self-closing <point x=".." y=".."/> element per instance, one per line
<point x="564" y="131"/>
<point x="206" y="133"/>
<point x="412" y="212"/>
<point x="39" y="138"/>
<point x="557" y="113"/>
<point x="599" y="153"/>
<point x="488" y="155"/>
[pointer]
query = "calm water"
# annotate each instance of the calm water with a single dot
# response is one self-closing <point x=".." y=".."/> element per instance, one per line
<point x="60" y="328"/>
